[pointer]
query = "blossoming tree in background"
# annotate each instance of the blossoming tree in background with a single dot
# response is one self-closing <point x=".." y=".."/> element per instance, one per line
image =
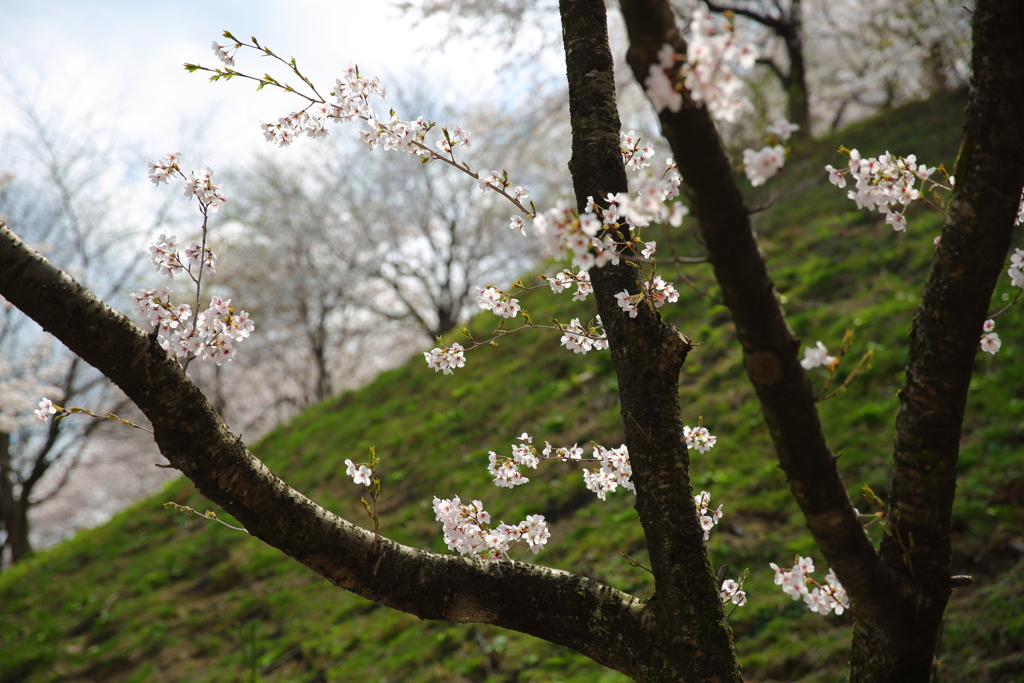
<point x="896" y="592"/>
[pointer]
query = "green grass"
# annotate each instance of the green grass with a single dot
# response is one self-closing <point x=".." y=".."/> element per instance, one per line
<point x="158" y="596"/>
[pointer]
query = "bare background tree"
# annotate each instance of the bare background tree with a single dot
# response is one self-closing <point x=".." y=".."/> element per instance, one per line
<point x="368" y="261"/>
<point x="823" y="63"/>
<point x="74" y="215"/>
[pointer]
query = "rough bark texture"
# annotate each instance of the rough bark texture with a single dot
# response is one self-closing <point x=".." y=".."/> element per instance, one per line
<point x="943" y="345"/>
<point x="897" y="611"/>
<point x="684" y="618"/>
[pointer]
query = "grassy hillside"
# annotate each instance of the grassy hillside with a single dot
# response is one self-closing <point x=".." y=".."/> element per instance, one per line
<point x="158" y="596"/>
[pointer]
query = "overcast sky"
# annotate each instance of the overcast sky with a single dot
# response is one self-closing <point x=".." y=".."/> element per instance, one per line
<point x="121" y="61"/>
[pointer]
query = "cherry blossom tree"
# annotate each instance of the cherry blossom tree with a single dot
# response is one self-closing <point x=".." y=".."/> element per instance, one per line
<point x="896" y="593"/>
<point x="52" y="192"/>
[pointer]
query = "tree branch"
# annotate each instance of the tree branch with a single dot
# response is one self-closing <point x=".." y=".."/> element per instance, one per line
<point x="777" y="25"/>
<point x="564" y="608"/>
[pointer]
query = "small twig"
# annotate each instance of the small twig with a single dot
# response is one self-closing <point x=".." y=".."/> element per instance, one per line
<point x="209" y="514"/>
<point x="634" y="563"/>
<point x="890" y="525"/>
<point x="61" y="413"/>
<point x="758" y="208"/>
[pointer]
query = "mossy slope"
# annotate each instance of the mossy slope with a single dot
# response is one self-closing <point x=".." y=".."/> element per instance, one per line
<point x="156" y="596"/>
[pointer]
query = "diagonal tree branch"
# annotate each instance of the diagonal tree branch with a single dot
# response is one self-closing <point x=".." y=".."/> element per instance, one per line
<point x="769" y="347"/>
<point x="969" y="261"/>
<point x="564" y="608"/>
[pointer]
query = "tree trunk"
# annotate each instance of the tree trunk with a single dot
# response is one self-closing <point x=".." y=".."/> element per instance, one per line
<point x="690" y="639"/>
<point x="13" y="511"/>
<point x="971" y="258"/>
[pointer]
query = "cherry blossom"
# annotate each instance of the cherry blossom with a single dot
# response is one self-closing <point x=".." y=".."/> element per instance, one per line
<point x="731" y="592"/>
<point x="816" y="357"/>
<point x="161" y="172"/>
<point x="708" y="518"/>
<point x="886" y="183"/>
<point x="783" y="129"/>
<point x="709" y="75"/>
<point x="360" y="475"/>
<point x="762" y="165"/>
<point x="467" y="530"/>
<point x="222" y="55"/>
<point x="626" y="303"/>
<point x="164" y="256"/>
<point x="445" y="359"/>
<point x="633" y="157"/>
<point x="580" y="340"/>
<point x="822" y="598"/>
<point x="990" y="343"/>
<point x="46" y="408"/>
<point x="699" y="439"/>
<point x="200" y="185"/>
<point x="1016" y="277"/>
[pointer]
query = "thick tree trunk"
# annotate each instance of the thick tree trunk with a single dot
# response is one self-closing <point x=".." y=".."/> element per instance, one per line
<point x="971" y="257"/>
<point x="796" y="80"/>
<point x="691" y="639"/>
<point x="897" y="601"/>
<point x="13" y="512"/>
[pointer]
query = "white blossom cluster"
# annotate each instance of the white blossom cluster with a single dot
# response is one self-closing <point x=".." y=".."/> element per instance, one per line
<point x="731" y="593"/>
<point x="708" y="518"/>
<point x="445" y="359"/>
<point x="164" y="256"/>
<point x="656" y="291"/>
<point x="709" y="74"/>
<point x="633" y="156"/>
<point x="1016" y="271"/>
<point x="613" y="471"/>
<point x="496" y="301"/>
<point x="563" y="230"/>
<point x="590" y="238"/>
<point x="990" y="342"/>
<point x="198" y="184"/>
<point x="214" y="335"/>
<point x="699" y="439"/>
<point x="885" y="183"/>
<point x="822" y="598"/>
<point x="467" y="530"/>
<point x="360" y="475"/>
<point x="762" y="165"/>
<point x="578" y="339"/>
<point x="567" y="278"/>
<point x="816" y="357"/>
<point x="352" y="103"/>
